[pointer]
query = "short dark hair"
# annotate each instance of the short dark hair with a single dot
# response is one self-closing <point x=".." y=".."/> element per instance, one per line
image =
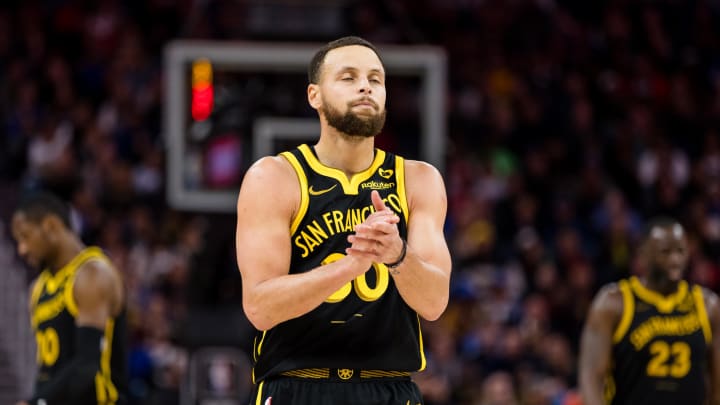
<point x="658" y="222"/>
<point x="319" y="58"/>
<point x="39" y="204"/>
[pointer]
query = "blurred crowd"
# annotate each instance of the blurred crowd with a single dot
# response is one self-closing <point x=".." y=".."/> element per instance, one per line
<point x="570" y="125"/>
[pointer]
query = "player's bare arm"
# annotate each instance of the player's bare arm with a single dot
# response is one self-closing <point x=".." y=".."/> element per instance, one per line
<point x="596" y="343"/>
<point x="267" y="203"/>
<point x="423" y="277"/>
<point x="712" y="304"/>
<point x="98" y="294"/>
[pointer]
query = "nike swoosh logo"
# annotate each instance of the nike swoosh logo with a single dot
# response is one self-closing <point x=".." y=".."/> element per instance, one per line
<point x="319" y="192"/>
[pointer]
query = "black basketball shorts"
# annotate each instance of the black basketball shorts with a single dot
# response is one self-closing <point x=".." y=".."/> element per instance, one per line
<point x="300" y="391"/>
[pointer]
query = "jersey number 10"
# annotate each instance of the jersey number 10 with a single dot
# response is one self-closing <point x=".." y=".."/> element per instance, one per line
<point x="48" y="346"/>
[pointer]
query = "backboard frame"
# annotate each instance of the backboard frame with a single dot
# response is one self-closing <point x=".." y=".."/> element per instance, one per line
<point x="427" y="62"/>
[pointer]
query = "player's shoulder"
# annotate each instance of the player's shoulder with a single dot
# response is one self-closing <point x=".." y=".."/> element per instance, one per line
<point x="706" y="292"/>
<point x="270" y="165"/>
<point x="609" y="298"/>
<point x="610" y="289"/>
<point x="423" y="181"/>
<point x="270" y="171"/>
<point x="96" y="281"/>
<point x="270" y="183"/>
<point x="421" y="167"/>
<point x="423" y="174"/>
<point x="96" y="273"/>
<point x="712" y="302"/>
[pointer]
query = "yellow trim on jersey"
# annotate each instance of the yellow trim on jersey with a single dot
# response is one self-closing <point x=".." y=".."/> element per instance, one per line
<point x="349" y="186"/>
<point x="702" y="313"/>
<point x="609" y="390"/>
<point x="258" y="401"/>
<point x="70" y="303"/>
<point x="627" y="312"/>
<point x="262" y="339"/>
<point x="54" y="281"/>
<point x="100" y="393"/>
<point x="664" y="304"/>
<point x="400" y="178"/>
<point x="105" y="360"/>
<point x="304" y="199"/>
<point x="254" y="345"/>
<point x="257" y="350"/>
<point x="62" y="281"/>
<point x="105" y="391"/>
<point x="38" y="288"/>
<point x="422" y="351"/>
<point x="48" y="309"/>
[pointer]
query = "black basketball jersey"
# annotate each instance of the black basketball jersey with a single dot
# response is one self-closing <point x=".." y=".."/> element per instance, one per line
<point x="53" y="310"/>
<point x="660" y="347"/>
<point x="365" y="324"/>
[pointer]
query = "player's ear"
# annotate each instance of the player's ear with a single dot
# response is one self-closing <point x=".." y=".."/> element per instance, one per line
<point x="51" y="224"/>
<point x="313" y="95"/>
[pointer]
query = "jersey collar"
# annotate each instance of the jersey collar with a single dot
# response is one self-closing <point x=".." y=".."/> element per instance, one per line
<point x="350" y="186"/>
<point x="664" y="303"/>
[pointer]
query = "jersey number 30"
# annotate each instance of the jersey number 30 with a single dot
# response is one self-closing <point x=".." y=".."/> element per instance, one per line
<point x="362" y="289"/>
<point x="669" y="359"/>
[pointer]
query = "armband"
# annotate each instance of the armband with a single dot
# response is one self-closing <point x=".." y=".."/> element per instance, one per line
<point x="393" y="266"/>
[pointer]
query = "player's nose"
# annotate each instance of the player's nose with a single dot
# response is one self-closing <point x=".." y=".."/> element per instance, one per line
<point x="365" y="87"/>
<point x="676" y="259"/>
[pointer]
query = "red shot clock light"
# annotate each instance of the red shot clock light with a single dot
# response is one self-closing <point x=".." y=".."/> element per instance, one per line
<point x="201" y="103"/>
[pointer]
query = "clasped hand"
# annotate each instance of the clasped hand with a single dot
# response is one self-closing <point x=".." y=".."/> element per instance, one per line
<point x="377" y="238"/>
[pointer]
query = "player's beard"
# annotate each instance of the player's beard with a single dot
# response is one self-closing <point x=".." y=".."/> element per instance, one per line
<point x="42" y="264"/>
<point x="353" y="125"/>
<point x="37" y="263"/>
<point x="665" y="278"/>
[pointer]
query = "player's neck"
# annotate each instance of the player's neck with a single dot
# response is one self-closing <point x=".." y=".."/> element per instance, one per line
<point x="661" y="285"/>
<point x="349" y="154"/>
<point x="69" y="247"/>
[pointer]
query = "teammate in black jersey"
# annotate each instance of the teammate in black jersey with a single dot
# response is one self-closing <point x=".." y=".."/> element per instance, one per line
<point x="76" y="306"/>
<point x="654" y="340"/>
<point x="341" y="249"/>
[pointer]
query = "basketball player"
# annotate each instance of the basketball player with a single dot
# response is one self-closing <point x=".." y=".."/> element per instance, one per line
<point x="76" y="307"/>
<point x="653" y="340"/>
<point x="341" y="249"/>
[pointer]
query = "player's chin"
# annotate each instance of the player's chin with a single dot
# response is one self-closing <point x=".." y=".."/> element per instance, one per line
<point x="33" y="262"/>
<point x="366" y="109"/>
<point x="676" y="274"/>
